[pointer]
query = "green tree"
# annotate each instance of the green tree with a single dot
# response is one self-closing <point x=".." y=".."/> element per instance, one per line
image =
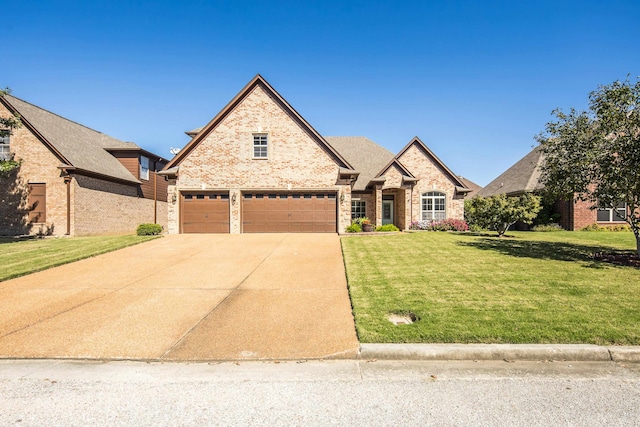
<point x="594" y="155"/>
<point x="7" y="125"/>
<point x="500" y="212"/>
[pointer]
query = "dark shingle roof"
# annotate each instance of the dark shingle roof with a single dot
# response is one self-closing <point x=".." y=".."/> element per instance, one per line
<point x="82" y="147"/>
<point x="364" y="155"/>
<point x="523" y="176"/>
<point x="475" y="188"/>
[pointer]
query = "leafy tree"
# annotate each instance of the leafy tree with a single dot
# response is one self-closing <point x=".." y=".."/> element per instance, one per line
<point x="500" y="212"/>
<point x="7" y="124"/>
<point x="594" y="155"/>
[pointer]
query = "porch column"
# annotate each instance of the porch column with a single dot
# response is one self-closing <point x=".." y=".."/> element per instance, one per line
<point x="378" y="219"/>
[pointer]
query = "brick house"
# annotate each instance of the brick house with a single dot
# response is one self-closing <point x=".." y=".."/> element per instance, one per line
<point x="74" y="180"/>
<point x="524" y="176"/>
<point x="259" y="166"/>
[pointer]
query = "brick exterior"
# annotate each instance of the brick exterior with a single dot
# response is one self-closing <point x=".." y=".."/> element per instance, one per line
<point x="39" y="165"/>
<point x="104" y="207"/>
<point x="97" y="206"/>
<point x="223" y="160"/>
<point x="430" y="178"/>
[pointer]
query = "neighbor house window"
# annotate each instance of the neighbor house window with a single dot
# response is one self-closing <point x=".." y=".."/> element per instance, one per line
<point x="260" y="141"/>
<point x="37" y="203"/>
<point x="433" y="206"/>
<point x="144" y="167"/>
<point x="358" y="209"/>
<point x="616" y="214"/>
<point x="4" y="147"/>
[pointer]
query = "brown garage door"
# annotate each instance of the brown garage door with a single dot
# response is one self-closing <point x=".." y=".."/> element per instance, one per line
<point x="205" y="213"/>
<point x="289" y="213"/>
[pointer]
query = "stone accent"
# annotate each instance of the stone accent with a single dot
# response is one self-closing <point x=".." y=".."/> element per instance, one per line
<point x="224" y="161"/>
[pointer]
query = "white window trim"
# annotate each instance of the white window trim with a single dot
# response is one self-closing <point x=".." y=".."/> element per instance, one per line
<point x="144" y="172"/>
<point x="613" y="217"/>
<point x="423" y="197"/>
<point x="5" y="146"/>
<point x="253" y="145"/>
<point x="364" y="208"/>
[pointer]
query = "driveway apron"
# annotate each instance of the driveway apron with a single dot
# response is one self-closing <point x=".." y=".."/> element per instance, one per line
<point x="187" y="298"/>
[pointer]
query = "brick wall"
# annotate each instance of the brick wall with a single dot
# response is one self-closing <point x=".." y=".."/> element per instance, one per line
<point x="39" y="165"/>
<point x="223" y="160"/>
<point x="104" y="207"/>
<point x="431" y="178"/>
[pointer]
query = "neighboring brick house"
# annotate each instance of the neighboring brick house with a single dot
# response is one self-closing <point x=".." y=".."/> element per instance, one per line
<point x="258" y="166"/>
<point x="74" y="180"/>
<point x="524" y="176"/>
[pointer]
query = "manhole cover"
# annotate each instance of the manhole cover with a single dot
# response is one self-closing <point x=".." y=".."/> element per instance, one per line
<point x="402" y="318"/>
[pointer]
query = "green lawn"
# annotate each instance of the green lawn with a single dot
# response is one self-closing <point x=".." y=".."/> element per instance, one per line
<point x="20" y="257"/>
<point x="465" y="288"/>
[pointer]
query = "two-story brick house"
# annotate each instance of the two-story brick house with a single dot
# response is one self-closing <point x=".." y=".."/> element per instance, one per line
<point x="259" y="166"/>
<point x="74" y="180"/>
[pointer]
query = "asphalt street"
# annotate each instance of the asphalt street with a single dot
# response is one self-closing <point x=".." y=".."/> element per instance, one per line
<point x="345" y="392"/>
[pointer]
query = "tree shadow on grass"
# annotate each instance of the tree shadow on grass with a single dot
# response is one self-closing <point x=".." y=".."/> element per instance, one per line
<point x="556" y="251"/>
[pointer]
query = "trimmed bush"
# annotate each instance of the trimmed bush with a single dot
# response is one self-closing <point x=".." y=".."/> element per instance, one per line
<point x="445" y="225"/>
<point x="548" y="227"/>
<point x="617" y="227"/>
<point x="387" y="228"/>
<point x="149" y="229"/>
<point x="354" y="228"/>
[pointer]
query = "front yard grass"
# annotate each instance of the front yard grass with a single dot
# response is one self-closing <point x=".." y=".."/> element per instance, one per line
<point x="464" y="288"/>
<point x="21" y="257"/>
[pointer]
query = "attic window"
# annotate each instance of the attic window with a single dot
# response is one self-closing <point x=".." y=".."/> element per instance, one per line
<point x="4" y="147"/>
<point x="260" y="148"/>
<point x="144" y="167"/>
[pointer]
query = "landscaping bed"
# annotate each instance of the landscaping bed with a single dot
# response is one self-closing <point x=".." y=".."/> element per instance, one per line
<point x="464" y="288"/>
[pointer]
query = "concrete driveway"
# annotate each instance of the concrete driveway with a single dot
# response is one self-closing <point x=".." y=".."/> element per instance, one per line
<point x="187" y="297"/>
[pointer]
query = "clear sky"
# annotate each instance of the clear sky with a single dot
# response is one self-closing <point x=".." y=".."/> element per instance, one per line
<point x="475" y="80"/>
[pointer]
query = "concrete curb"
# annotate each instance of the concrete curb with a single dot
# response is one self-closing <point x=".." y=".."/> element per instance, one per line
<point x="510" y="352"/>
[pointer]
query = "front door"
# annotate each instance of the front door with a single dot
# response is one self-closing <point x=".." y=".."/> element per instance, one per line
<point x="387" y="212"/>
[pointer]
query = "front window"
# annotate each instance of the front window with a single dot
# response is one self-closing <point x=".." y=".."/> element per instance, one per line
<point x="615" y="214"/>
<point x="358" y="209"/>
<point x="433" y="206"/>
<point x="4" y="147"/>
<point x="260" y="146"/>
<point x="144" y="167"/>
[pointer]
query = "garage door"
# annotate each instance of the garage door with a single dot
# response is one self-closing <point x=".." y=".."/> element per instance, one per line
<point x="289" y="213"/>
<point x="204" y="213"/>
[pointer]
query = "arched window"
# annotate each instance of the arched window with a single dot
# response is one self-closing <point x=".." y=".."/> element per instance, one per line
<point x="433" y="206"/>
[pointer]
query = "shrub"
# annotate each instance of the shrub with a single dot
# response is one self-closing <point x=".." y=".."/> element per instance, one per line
<point x="617" y="227"/>
<point x="445" y="225"/>
<point x="354" y="228"/>
<point x="387" y="227"/>
<point x="149" y="229"/>
<point x="547" y="227"/>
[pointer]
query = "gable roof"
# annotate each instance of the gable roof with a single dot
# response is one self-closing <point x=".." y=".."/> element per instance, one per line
<point x="74" y="144"/>
<point x="258" y="80"/>
<point x="523" y="176"/>
<point x="470" y="185"/>
<point x="460" y="186"/>
<point x="364" y="155"/>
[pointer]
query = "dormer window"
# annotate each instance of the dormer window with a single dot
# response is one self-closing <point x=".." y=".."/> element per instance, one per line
<point x="144" y="167"/>
<point x="5" y="154"/>
<point x="260" y="147"/>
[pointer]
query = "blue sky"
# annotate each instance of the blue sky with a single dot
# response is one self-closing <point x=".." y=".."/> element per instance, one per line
<point x="476" y="81"/>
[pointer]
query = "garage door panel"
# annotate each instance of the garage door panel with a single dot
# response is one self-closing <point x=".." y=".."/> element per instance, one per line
<point x="289" y="213"/>
<point x="205" y="213"/>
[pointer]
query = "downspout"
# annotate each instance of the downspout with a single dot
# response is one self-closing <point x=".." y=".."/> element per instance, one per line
<point x="67" y="181"/>
<point x="155" y="195"/>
